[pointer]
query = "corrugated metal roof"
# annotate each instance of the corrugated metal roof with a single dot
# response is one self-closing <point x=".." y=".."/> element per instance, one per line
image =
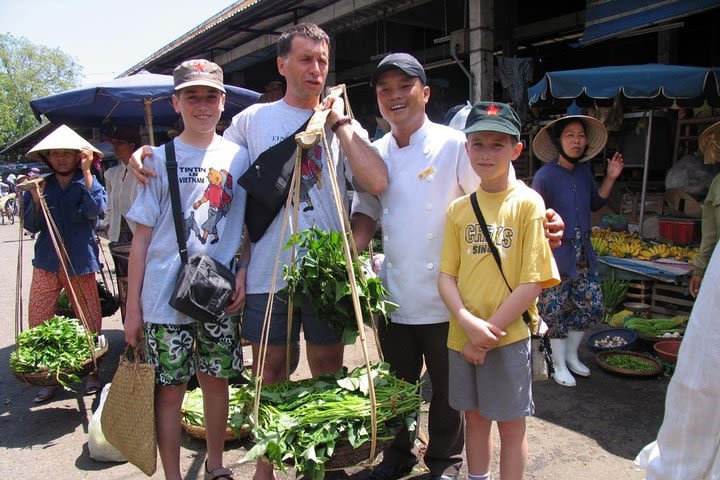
<point x="221" y="17"/>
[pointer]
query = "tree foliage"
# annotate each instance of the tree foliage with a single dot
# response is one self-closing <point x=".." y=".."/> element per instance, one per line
<point x="29" y="71"/>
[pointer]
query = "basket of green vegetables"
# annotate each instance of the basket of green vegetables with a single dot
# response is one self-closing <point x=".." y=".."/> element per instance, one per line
<point x="320" y="274"/>
<point x="324" y="423"/>
<point x="629" y="364"/>
<point x="109" y="303"/>
<point x="56" y="352"/>
<point x="240" y="405"/>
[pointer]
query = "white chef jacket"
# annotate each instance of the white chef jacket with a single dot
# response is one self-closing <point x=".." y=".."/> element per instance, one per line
<point x="424" y="178"/>
<point x="121" y="186"/>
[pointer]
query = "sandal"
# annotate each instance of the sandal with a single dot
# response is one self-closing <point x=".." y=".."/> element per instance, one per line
<point x="219" y="473"/>
<point x="45" y="394"/>
<point x="92" y="386"/>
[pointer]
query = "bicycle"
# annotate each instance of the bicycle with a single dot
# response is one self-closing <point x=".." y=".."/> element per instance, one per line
<point x="8" y="208"/>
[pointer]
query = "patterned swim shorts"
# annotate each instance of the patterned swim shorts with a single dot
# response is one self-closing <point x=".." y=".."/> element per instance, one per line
<point x="178" y="351"/>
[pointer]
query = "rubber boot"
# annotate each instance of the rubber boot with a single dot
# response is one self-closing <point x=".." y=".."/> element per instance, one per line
<point x="571" y="354"/>
<point x="561" y="375"/>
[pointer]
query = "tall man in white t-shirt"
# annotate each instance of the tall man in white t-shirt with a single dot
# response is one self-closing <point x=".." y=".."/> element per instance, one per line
<point x="428" y="168"/>
<point x="303" y="55"/>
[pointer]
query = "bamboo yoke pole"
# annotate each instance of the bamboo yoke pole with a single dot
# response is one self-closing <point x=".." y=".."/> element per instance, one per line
<point x="314" y="133"/>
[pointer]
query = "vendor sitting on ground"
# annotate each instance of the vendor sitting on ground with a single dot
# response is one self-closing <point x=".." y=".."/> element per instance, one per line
<point x="75" y="199"/>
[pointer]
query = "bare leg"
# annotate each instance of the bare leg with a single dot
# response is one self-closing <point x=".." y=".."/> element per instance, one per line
<point x="168" y="402"/>
<point x="215" y="408"/>
<point x="274" y="371"/>
<point x="325" y="358"/>
<point x="478" y="442"/>
<point x="513" y="449"/>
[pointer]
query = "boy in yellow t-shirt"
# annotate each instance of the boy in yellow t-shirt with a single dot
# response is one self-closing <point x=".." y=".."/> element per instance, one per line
<point x="489" y="342"/>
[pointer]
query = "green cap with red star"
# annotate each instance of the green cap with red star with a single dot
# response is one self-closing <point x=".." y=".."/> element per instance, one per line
<point x="493" y="117"/>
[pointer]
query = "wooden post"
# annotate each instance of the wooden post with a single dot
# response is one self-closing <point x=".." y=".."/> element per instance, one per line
<point x="482" y="39"/>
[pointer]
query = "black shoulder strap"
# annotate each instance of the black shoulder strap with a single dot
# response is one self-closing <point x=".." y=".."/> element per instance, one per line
<point x="492" y="247"/>
<point x="171" y="166"/>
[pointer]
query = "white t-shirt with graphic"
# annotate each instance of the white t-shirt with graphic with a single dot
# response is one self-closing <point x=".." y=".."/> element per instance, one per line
<point x="213" y="210"/>
<point x="258" y="128"/>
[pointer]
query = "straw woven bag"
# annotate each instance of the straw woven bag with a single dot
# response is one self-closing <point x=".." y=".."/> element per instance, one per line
<point x="128" y="417"/>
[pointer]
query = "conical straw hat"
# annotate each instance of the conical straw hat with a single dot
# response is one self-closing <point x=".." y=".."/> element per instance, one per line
<point x="62" y="138"/>
<point x="709" y="143"/>
<point x="595" y="132"/>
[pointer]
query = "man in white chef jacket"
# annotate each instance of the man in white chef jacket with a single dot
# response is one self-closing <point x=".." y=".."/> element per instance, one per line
<point x="428" y="168"/>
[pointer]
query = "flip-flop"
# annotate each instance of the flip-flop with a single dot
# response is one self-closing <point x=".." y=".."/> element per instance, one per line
<point x="45" y="394"/>
<point x="92" y="387"/>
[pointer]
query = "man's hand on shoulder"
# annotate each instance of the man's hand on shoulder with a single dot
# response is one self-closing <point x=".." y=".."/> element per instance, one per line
<point x="554" y="228"/>
<point x="136" y="165"/>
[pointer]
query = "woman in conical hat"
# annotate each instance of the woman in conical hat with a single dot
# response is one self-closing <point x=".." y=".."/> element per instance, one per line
<point x="75" y="199"/>
<point x="709" y="144"/>
<point x="566" y="183"/>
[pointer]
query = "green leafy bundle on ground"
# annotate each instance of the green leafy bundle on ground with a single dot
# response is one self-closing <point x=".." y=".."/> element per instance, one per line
<point x="302" y="423"/>
<point x="57" y="346"/>
<point x="320" y="274"/>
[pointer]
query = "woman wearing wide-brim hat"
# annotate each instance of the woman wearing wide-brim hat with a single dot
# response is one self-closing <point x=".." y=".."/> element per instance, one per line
<point x="75" y="199"/>
<point x="567" y="184"/>
<point x="709" y="144"/>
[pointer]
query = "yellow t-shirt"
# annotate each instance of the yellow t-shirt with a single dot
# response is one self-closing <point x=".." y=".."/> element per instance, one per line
<point x="515" y="221"/>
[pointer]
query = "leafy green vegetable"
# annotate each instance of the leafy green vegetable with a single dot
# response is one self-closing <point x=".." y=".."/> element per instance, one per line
<point x="655" y="327"/>
<point x="630" y="362"/>
<point x="613" y="293"/>
<point x="241" y="403"/>
<point x="57" y="346"/>
<point x="303" y="422"/>
<point x="320" y="274"/>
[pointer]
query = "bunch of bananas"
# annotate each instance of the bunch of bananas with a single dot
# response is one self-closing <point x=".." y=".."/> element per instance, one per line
<point x="626" y="249"/>
<point x="629" y="245"/>
<point x="600" y="245"/>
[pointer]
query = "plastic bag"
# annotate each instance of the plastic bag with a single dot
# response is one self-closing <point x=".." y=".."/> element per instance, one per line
<point x="100" y="448"/>
<point x="458" y="121"/>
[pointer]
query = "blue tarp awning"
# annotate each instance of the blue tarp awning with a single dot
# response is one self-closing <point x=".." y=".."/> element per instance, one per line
<point x="652" y="85"/>
<point x="606" y="19"/>
<point x="122" y="101"/>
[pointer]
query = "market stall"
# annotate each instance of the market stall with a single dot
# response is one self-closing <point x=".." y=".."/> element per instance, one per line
<point x="638" y="87"/>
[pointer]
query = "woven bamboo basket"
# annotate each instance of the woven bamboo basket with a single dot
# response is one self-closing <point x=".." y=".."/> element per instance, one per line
<point x="198" y="432"/>
<point x="44" y="378"/>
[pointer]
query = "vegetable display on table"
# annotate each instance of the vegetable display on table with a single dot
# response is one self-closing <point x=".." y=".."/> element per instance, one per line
<point x="630" y="245"/>
<point x="303" y="423"/>
<point x="320" y="274"/>
<point x="656" y="327"/>
<point x="57" y="346"/>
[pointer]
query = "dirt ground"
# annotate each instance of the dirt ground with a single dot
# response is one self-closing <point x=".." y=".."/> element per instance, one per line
<point x="589" y="432"/>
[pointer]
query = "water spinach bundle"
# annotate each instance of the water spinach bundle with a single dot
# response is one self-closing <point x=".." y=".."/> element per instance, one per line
<point x="57" y="346"/>
<point x="320" y="274"/>
<point x="240" y="405"/>
<point x="302" y="423"/>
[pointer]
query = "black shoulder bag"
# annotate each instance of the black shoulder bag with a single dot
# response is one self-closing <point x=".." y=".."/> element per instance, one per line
<point x="267" y="183"/>
<point x="540" y="342"/>
<point x="203" y="286"/>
